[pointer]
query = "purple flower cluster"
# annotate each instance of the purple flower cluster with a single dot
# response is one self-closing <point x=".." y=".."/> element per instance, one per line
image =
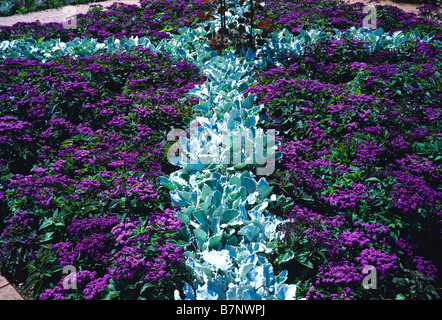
<point x="340" y="273"/>
<point x="348" y="249"/>
<point x="309" y="14"/>
<point x="344" y="198"/>
<point x="92" y="286"/>
<point x="107" y="130"/>
<point x="362" y="166"/>
<point x="384" y="263"/>
<point x="122" y="252"/>
<point x="86" y="148"/>
<point x="360" y="137"/>
<point x="367" y="153"/>
<point x="20" y="223"/>
<point x="411" y="193"/>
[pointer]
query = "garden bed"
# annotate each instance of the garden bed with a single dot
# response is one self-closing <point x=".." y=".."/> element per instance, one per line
<point x="86" y="179"/>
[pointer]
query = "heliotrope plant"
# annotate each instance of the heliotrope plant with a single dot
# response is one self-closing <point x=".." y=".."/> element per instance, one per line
<point x="87" y="146"/>
<point x="361" y="165"/>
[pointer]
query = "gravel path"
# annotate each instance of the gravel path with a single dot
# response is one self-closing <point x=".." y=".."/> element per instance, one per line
<point x="408" y="7"/>
<point x="61" y="14"/>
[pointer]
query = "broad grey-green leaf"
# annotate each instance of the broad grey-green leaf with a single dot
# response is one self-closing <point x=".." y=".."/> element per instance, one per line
<point x="263" y="188"/>
<point x="201" y="216"/>
<point x="189" y="292"/>
<point x="248" y="102"/>
<point x="250" y="232"/>
<point x="242" y="192"/>
<point x="243" y="87"/>
<point x="200" y="234"/>
<point x="185" y="234"/>
<point x="215" y="241"/>
<point x="215" y="225"/>
<point x="206" y="204"/>
<point x="205" y="192"/>
<point x="235" y="180"/>
<point x="249" y="184"/>
<point x="233" y="241"/>
<point x="217" y="198"/>
<point x="229" y="215"/>
<point x="183" y="217"/>
<point x="244" y="270"/>
<point x="250" y="122"/>
<point x="176" y="199"/>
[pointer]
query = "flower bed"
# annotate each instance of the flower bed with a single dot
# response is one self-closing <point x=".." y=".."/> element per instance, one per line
<point x="85" y="175"/>
<point x="361" y="164"/>
<point x="85" y="148"/>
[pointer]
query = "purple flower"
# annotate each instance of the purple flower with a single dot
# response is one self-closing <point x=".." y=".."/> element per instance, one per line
<point x="384" y="263"/>
<point x="339" y="273"/>
<point x="344" y="198"/>
<point x="94" y="288"/>
<point x="411" y="193"/>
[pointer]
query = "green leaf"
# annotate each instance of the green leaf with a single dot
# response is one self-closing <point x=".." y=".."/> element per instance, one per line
<point x="244" y="270"/>
<point x="46" y="223"/>
<point x="146" y="286"/>
<point x="205" y="192"/>
<point x="216" y="198"/>
<point x="235" y="180"/>
<point x="284" y="257"/>
<point x="167" y="183"/>
<point x="176" y="199"/>
<point x="243" y="87"/>
<point x="215" y="241"/>
<point x="201" y="216"/>
<point x="185" y="234"/>
<point x="47" y="236"/>
<point x="250" y="122"/>
<point x="248" y="102"/>
<point x="229" y="216"/>
<point x="200" y="234"/>
<point x="251" y="232"/>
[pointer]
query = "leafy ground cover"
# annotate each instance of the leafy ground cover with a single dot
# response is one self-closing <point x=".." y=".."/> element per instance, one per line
<point x="84" y="145"/>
